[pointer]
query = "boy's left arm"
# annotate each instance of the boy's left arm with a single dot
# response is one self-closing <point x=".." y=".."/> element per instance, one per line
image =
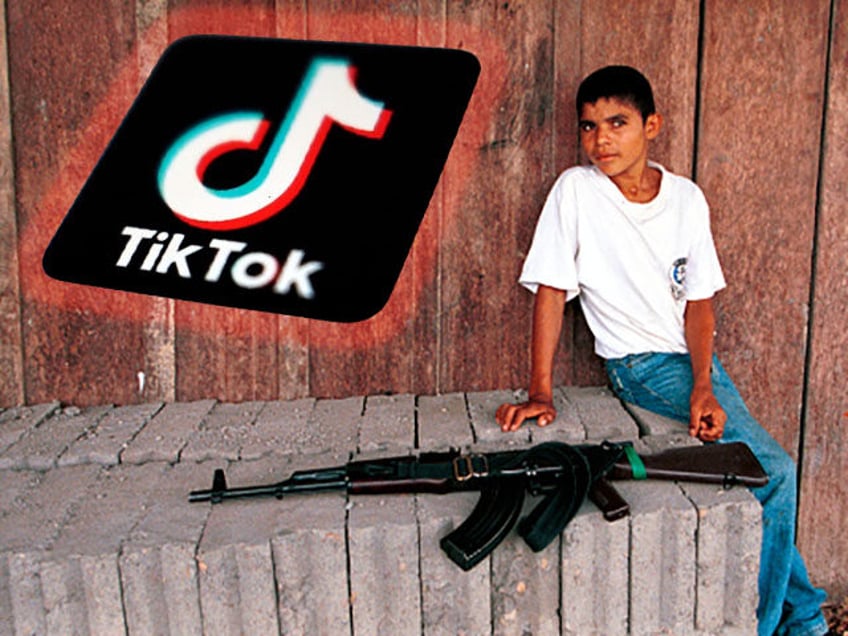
<point x="706" y="417"/>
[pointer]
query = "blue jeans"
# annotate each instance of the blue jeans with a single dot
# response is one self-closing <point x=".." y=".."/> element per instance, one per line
<point x="662" y="383"/>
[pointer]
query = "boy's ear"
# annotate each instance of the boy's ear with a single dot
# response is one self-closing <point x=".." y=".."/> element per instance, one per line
<point x="653" y="125"/>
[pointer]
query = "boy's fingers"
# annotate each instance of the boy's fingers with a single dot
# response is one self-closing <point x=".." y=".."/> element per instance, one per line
<point x="510" y="417"/>
<point x="506" y="416"/>
<point x="695" y="424"/>
<point x="707" y="427"/>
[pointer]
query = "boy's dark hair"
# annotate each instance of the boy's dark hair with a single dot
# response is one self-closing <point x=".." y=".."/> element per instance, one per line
<point x="619" y="82"/>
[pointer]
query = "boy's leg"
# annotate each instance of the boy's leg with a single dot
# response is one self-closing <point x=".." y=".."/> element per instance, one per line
<point x="789" y="603"/>
<point x="662" y="383"/>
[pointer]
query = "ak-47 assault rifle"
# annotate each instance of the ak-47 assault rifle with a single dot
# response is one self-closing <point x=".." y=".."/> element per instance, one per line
<point x="563" y="475"/>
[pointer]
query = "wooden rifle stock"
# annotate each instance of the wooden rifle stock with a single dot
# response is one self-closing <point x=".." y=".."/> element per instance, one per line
<point x="725" y="464"/>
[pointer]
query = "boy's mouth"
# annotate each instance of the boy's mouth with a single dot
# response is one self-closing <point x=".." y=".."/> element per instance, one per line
<point x="604" y="158"/>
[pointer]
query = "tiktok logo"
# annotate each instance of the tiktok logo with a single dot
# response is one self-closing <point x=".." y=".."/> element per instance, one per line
<point x="275" y="175"/>
<point x="327" y="95"/>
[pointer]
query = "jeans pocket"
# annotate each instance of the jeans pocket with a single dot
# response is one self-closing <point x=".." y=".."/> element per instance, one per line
<point x="636" y="360"/>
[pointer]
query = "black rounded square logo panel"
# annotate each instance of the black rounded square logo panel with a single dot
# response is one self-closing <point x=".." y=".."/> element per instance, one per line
<point x="277" y="175"/>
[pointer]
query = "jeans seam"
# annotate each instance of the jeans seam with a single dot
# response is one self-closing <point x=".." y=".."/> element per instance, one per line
<point x="659" y="398"/>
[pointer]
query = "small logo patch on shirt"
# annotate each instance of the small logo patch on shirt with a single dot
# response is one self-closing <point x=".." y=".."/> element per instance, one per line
<point x="677" y="277"/>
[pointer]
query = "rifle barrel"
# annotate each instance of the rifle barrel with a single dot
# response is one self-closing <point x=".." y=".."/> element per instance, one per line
<point x="306" y="482"/>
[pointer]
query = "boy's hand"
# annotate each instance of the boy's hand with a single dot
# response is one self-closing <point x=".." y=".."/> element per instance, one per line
<point x="510" y="417"/>
<point x="706" y="417"/>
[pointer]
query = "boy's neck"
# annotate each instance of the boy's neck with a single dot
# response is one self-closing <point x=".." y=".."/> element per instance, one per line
<point x="641" y="187"/>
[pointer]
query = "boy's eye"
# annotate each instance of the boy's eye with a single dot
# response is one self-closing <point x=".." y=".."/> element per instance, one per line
<point x="586" y="126"/>
<point x="618" y="122"/>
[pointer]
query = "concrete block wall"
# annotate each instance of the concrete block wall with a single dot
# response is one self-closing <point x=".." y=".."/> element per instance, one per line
<point x="97" y="537"/>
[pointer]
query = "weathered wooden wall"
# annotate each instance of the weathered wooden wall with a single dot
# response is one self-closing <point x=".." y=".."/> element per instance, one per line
<point x="754" y="96"/>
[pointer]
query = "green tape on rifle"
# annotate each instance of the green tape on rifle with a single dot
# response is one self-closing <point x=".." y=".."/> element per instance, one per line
<point x="636" y="464"/>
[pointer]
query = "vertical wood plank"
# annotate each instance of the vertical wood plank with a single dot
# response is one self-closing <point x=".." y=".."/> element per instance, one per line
<point x="425" y="257"/>
<point x="758" y="160"/>
<point x="824" y="491"/>
<point x="497" y="193"/>
<point x="151" y="24"/>
<point x="562" y="149"/>
<point x="221" y="352"/>
<point x="293" y="371"/>
<point x="11" y="338"/>
<point x="69" y="94"/>
<point x="375" y="355"/>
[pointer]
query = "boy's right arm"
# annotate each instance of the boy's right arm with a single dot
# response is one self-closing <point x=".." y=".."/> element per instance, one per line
<point x="548" y="309"/>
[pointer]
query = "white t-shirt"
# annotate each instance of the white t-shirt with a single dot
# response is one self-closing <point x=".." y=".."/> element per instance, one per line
<point x="633" y="265"/>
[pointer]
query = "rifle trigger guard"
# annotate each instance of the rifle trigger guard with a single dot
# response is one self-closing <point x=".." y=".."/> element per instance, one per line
<point x="467" y="466"/>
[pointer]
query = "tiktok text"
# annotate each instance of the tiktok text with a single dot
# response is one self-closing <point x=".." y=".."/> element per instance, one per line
<point x="162" y="253"/>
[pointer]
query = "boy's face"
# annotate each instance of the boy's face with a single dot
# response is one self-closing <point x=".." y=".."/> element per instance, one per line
<point x="615" y="137"/>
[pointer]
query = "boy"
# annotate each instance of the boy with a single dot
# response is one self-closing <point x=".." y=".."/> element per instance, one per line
<point x="633" y="241"/>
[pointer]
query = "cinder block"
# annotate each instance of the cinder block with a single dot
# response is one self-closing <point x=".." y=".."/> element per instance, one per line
<point x="157" y="562"/>
<point x="651" y="424"/>
<point x="163" y="437"/>
<point x="729" y="539"/>
<point x="41" y="447"/>
<point x="17" y="422"/>
<point x="283" y="428"/>
<point x="595" y="573"/>
<point x="114" y="503"/>
<point x="104" y="443"/>
<point x="82" y="595"/>
<point x="222" y="433"/>
<point x="79" y="576"/>
<point x="567" y="426"/>
<point x="659" y="443"/>
<point x="13" y="494"/>
<point x="160" y="589"/>
<point x="601" y="413"/>
<point x="388" y="424"/>
<point x="662" y="558"/>
<point x="168" y="518"/>
<point x="453" y="601"/>
<point x="525" y="588"/>
<point x="236" y="560"/>
<point x="310" y="562"/>
<point x="23" y="610"/>
<point x="34" y="515"/>
<point x="443" y="422"/>
<point x="481" y="408"/>
<point x="336" y="424"/>
<point x="384" y="575"/>
<point x="237" y="594"/>
<point x="309" y="551"/>
<point x="6" y="616"/>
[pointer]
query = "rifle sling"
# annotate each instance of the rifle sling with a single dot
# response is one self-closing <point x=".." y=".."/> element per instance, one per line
<point x="636" y="463"/>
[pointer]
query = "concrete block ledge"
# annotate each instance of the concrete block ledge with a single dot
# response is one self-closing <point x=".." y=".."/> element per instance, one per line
<point x="97" y="536"/>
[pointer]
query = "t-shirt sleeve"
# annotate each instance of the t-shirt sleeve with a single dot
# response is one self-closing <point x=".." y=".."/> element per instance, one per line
<point x="703" y="271"/>
<point x="551" y="259"/>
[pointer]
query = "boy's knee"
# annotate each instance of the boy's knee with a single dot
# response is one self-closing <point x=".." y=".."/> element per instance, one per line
<point x="782" y="473"/>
